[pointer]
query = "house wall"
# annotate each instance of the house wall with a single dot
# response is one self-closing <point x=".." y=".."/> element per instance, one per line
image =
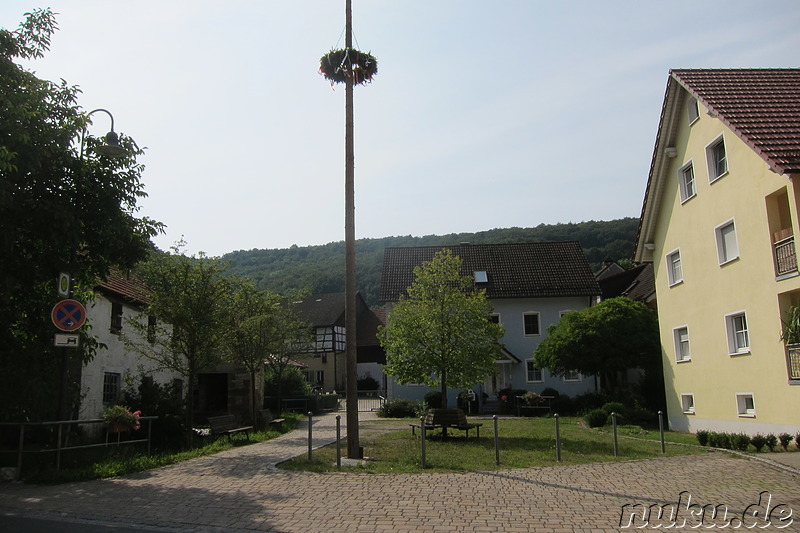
<point x="710" y="291"/>
<point x="115" y="359"/>
<point x="511" y="313"/>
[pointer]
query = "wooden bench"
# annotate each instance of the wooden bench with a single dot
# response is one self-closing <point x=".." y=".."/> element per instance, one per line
<point x="447" y="419"/>
<point x="227" y="425"/>
<point x="266" y="417"/>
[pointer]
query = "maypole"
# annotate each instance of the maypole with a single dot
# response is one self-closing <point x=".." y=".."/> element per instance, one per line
<point x="351" y="67"/>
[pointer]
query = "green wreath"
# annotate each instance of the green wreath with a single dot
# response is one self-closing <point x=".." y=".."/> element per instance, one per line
<point x="338" y="65"/>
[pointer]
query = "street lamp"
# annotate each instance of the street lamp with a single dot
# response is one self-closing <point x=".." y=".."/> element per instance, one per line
<point x="111" y="146"/>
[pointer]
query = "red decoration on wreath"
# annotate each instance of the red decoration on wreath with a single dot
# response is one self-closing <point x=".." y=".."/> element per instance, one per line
<point x="338" y="65"/>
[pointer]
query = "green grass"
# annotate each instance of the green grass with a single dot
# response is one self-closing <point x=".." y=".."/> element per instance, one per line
<point x="524" y="443"/>
<point x="113" y="461"/>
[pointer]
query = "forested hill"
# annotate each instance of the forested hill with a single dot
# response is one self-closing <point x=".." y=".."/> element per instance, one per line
<point x="321" y="268"/>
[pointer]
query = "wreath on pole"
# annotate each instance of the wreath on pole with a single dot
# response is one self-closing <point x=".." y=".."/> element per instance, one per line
<point x="338" y="65"/>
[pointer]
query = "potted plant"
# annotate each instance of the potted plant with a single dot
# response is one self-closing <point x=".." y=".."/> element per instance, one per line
<point x="791" y="326"/>
<point x="119" y="418"/>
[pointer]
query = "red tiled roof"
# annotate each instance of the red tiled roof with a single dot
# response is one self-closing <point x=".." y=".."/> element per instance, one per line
<point x="524" y="270"/>
<point x="126" y="286"/>
<point x="762" y="106"/>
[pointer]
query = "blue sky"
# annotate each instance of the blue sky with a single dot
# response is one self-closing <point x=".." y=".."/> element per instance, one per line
<point x="484" y="114"/>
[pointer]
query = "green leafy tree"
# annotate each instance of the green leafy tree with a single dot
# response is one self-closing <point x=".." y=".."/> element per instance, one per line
<point x="440" y="334"/>
<point x="605" y="341"/>
<point x="189" y="308"/>
<point x="63" y="209"/>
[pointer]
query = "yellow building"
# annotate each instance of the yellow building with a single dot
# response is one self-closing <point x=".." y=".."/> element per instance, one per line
<point x="718" y="219"/>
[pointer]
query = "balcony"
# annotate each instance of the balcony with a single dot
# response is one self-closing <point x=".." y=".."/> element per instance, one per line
<point x="793" y="361"/>
<point x="785" y="256"/>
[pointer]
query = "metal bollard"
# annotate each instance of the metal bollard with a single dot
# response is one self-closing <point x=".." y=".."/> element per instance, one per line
<point x="496" y="442"/>
<point x="309" y="435"/>
<point x="661" y="430"/>
<point x="616" y="443"/>
<point x="422" y="439"/>
<point x="558" y="438"/>
<point x="338" y="441"/>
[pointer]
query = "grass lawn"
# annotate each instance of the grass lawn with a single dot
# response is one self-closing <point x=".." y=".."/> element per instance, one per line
<point x="524" y="443"/>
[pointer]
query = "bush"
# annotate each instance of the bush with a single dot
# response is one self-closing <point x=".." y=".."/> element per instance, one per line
<point x="596" y="418"/>
<point x="713" y="439"/>
<point x="797" y="440"/>
<point x="400" y="408"/>
<point x="702" y="437"/>
<point x="563" y="405"/>
<point x="740" y="441"/>
<point x="550" y="391"/>
<point x="589" y="401"/>
<point x="614" y="407"/>
<point x="772" y="441"/>
<point x="165" y="402"/>
<point x="724" y="440"/>
<point x="367" y="383"/>
<point x="433" y="399"/>
<point x="785" y="439"/>
<point x="642" y="417"/>
<point x="758" y="441"/>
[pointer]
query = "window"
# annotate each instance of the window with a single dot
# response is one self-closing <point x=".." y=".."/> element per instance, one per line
<point x="116" y="317"/>
<point x="481" y="276"/>
<point x="572" y="375"/>
<point x="531" y="323"/>
<point x="687" y="403"/>
<point x="717" y="160"/>
<point x="151" y="329"/>
<point x="111" y="383"/>
<point x="494" y="318"/>
<point x="692" y="111"/>
<point x="686" y="182"/>
<point x="674" y="269"/>
<point x="534" y="374"/>
<point x="727" y="245"/>
<point x="745" y="404"/>
<point x="682" y="350"/>
<point x="738" y="337"/>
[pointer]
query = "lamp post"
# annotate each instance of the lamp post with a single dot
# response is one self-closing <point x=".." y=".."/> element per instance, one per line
<point x="111" y="147"/>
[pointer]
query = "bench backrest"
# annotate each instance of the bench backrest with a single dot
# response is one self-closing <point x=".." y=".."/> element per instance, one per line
<point x="446" y="417"/>
<point x="222" y="423"/>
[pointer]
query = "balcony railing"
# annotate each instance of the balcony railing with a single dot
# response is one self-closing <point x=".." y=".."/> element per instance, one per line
<point x="785" y="256"/>
<point x="793" y="361"/>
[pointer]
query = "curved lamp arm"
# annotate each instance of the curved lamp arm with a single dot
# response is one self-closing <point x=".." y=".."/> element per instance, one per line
<point x="111" y="147"/>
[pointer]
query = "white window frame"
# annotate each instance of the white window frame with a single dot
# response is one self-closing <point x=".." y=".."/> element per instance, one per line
<point x="680" y="357"/>
<point x="538" y="321"/>
<point x="564" y="312"/>
<point x="674" y="276"/>
<point x="529" y="364"/>
<point x="572" y="376"/>
<point x="724" y="254"/>
<point x="493" y="316"/>
<point x="683" y="183"/>
<point x="711" y="161"/>
<point x="736" y="334"/>
<point x="687" y="403"/>
<point x="692" y="110"/>
<point x="741" y="405"/>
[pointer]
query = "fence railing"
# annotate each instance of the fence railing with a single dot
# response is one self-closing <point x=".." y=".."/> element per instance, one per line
<point x="785" y="256"/>
<point x="793" y="361"/>
<point x="62" y="437"/>
<point x="370" y="400"/>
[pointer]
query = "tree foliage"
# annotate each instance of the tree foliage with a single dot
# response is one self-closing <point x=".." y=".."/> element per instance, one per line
<point x="62" y="210"/>
<point x="615" y="335"/>
<point x="440" y="334"/>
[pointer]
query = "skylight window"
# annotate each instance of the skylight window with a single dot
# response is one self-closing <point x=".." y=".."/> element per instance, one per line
<point x="481" y="276"/>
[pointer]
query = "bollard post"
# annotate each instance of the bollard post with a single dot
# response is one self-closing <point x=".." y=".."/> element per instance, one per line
<point x="309" y="436"/>
<point x="338" y="441"/>
<point x="422" y="439"/>
<point x="616" y="443"/>
<point x="661" y="430"/>
<point x="496" y="442"/>
<point x="558" y="439"/>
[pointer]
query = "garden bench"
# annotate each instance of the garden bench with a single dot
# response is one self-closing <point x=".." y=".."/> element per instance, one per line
<point x="227" y="425"/>
<point x="266" y="416"/>
<point x="447" y="419"/>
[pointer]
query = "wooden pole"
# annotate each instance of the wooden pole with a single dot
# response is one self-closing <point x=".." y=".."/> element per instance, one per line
<point x="353" y="446"/>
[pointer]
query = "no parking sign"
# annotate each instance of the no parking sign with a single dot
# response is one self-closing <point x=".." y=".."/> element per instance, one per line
<point x="68" y="315"/>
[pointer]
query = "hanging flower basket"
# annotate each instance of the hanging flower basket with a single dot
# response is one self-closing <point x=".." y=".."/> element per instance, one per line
<point x="119" y="418"/>
<point x="338" y="65"/>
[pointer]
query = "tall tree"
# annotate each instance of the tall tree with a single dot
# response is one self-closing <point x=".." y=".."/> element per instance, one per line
<point x="188" y="304"/>
<point x="605" y="341"/>
<point x="63" y="209"/>
<point x="440" y="334"/>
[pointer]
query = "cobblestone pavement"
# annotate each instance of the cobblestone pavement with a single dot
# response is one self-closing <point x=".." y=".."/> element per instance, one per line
<point x="242" y="490"/>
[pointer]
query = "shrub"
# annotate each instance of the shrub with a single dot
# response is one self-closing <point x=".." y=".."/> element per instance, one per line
<point x="642" y="417"/>
<point x="165" y="402"/>
<point x="614" y="407"/>
<point x="797" y="440"/>
<point x="400" y="408"/>
<point x="724" y="441"/>
<point x="550" y="391"/>
<point x="702" y="437"/>
<point x="740" y="441"/>
<point x="713" y="439"/>
<point x="589" y="401"/>
<point x="563" y="405"/>
<point x="433" y="399"/>
<point x="772" y="441"/>
<point x="621" y="419"/>
<point x="758" y="441"/>
<point x="596" y="418"/>
<point x="367" y="383"/>
<point x="785" y="439"/>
